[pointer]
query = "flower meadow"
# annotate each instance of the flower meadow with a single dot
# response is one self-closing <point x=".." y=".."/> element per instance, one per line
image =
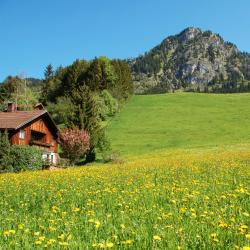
<point x="174" y="200"/>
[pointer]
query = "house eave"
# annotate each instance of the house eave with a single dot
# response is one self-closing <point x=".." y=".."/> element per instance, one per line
<point x="30" y="120"/>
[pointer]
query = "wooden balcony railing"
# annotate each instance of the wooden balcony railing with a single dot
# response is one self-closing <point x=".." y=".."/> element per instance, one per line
<point x="40" y="143"/>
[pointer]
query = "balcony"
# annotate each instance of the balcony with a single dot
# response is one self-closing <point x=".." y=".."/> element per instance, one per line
<point x="40" y="143"/>
<point x="39" y="139"/>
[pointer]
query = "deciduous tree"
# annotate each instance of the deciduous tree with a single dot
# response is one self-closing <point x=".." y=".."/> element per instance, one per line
<point x="75" y="143"/>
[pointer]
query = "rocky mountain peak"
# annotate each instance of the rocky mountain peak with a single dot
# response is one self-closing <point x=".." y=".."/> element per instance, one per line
<point x="188" y="34"/>
<point x="192" y="57"/>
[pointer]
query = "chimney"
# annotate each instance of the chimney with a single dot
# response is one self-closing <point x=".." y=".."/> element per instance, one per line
<point x="11" y="107"/>
<point x="39" y="106"/>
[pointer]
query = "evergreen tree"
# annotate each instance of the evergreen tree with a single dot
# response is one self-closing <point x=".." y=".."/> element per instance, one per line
<point x="48" y="72"/>
<point x="123" y="87"/>
<point x="86" y="116"/>
<point x="100" y="74"/>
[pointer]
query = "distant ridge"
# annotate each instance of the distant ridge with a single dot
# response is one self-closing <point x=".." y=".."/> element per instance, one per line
<point x="191" y="60"/>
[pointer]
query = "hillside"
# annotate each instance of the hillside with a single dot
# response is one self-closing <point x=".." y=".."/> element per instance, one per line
<point x="180" y="120"/>
<point x="192" y="59"/>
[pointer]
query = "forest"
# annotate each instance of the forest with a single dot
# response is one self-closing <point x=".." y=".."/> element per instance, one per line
<point x="83" y="95"/>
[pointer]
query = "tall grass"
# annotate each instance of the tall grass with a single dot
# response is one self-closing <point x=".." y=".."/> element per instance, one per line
<point x="177" y="200"/>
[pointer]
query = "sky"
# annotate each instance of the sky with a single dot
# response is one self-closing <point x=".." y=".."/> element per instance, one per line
<point x="35" y="33"/>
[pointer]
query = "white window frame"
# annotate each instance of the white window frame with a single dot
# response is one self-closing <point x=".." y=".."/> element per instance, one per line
<point x="22" y="134"/>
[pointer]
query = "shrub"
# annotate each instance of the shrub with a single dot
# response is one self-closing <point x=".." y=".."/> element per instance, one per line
<point x="26" y="158"/>
<point x="5" y="157"/>
<point x="75" y="143"/>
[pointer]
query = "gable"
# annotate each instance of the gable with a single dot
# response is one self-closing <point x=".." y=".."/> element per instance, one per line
<point x="38" y="132"/>
<point x="19" y="119"/>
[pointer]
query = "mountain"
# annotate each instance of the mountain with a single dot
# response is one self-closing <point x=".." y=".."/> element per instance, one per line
<point x="33" y="81"/>
<point x="193" y="60"/>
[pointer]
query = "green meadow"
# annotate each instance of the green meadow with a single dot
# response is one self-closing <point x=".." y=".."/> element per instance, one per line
<point x="181" y="120"/>
<point x="183" y="183"/>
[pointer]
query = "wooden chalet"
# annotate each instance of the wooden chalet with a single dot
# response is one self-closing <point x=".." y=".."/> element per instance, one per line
<point x="35" y="128"/>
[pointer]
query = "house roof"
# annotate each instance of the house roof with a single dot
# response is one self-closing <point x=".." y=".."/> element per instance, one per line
<point x="18" y="119"/>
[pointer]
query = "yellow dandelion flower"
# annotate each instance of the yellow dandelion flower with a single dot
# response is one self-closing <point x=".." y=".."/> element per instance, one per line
<point x="61" y="237"/>
<point x="76" y="209"/>
<point x="51" y="241"/>
<point x="51" y="229"/>
<point x="101" y="245"/>
<point x="223" y="225"/>
<point x="109" y="244"/>
<point x="246" y="248"/>
<point x="248" y="236"/>
<point x="41" y="238"/>
<point x="97" y="224"/>
<point x="183" y="210"/>
<point x="206" y="198"/>
<point x="6" y="233"/>
<point x="127" y="242"/>
<point x="156" y="238"/>
<point x="38" y="242"/>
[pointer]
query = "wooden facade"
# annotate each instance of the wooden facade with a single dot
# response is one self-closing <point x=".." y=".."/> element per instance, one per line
<point x="35" y="133"/>
<point x="35" y="128"/>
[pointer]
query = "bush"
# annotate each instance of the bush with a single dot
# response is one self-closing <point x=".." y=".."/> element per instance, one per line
<point x="5" y="157"/>
<point x="75" y="143"/>
<point x="25" y="158"/>
<point x="18" y="158"/>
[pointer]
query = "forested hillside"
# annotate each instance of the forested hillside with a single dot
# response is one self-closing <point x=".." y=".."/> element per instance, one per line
<point x="193" y="60"/>
<point x="83" y="95"/>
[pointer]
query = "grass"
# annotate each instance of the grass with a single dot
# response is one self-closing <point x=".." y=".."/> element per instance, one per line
<point x="182" y="199"/>
<point x="182" y="120"/>
<point x="184" y="183"/>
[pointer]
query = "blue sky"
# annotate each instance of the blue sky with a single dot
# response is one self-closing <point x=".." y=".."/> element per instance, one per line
<point x="35" y="33"/>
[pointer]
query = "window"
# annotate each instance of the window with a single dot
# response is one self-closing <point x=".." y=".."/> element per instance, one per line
<point x="22" y="134"/>
<point x="37" y="136"/>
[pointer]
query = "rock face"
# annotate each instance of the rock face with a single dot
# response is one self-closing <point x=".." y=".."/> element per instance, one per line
<point x="192" y="57"/>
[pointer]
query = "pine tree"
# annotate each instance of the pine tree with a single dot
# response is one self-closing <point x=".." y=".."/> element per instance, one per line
<point x="48" y="72"/>
<point x="86" y="116"/>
